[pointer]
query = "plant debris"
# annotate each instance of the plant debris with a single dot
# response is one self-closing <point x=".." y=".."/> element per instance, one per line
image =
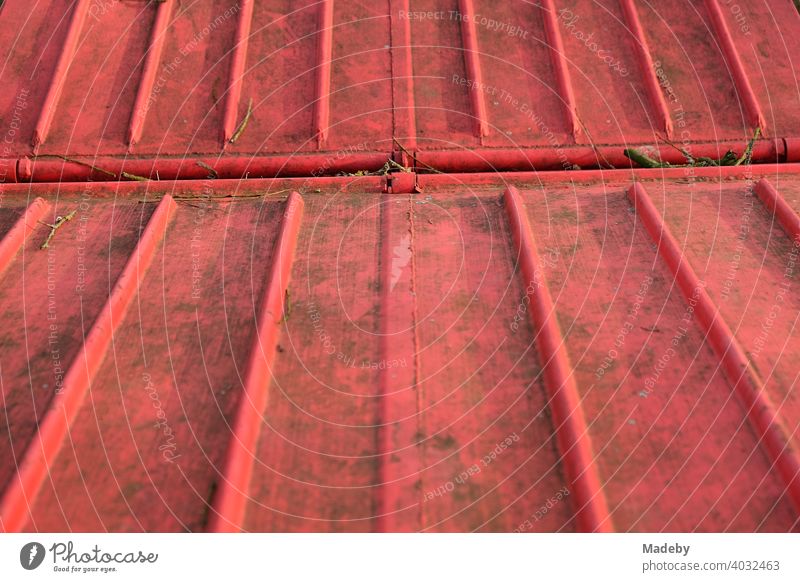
<point x="287" y="307"/>
<point x="60" y="220"/>
<point x="595" y="149"/>
<point x="729" y="159"/>
<point x="229" y="196"/>
<point x="240" y="130"/>
<point x="136" y="177"/>
<point x="212" y="173"/>
<point x="387" y="168"/>
<point x="74" y="161"/>
<point x="405" y="151"/>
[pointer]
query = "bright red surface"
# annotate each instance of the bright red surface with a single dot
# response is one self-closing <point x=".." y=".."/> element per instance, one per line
<point x="442" y="349"/>
<point x="346" y="446"/>
<point x="379" y="76"/>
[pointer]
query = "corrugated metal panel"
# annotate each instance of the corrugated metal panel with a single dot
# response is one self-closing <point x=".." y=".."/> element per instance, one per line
<point x="565" y="74"/>
<point x="611" y="71"/>
<point x="414" y="349"/>
<point x="548" y="84"/>
<point x="171" y="79"/>
<point x="619" y="349"/>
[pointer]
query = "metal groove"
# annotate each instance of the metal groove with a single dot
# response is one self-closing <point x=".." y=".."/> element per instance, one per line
<point x="405" y="122"/>
<point x="572" y="434"/>
<point x="399" y="400"/>
<point x="785" y="214"/>
<point x="322" y="105"/>
<point x="60" y="74"/>
<point x="560" y="65"/>
<point x="237" y="70"/>
<point x="151" y="64"/>
<point x="745" y="381"/>
<point x="473" y="65"/>
<point x="230" y="501"/>
<point x="647" y="67"/>
<point x="34" y="468"/>
<point x="743" y="87"/>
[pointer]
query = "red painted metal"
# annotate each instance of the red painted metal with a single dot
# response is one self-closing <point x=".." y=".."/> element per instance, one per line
<point x="376" y="184"/>
<point x="233" y="97"/>
<point x="573" y="439"/>
<point x="322" y="104"/>
<point x="105" y="169"/>
<point x="792" y="146"/>
<point x="399" y="425"/>
<point x="485" y="339"/>
<point x="647" y="67"/>
<point x="471" y="58"/>
<point x="746" y="382"/>
<point x="144" y="92"/>
<point x="405" y="127"/>
<point x="786" y="215"/>
<point x="54" y="169"/>
<point x="538" y="81"/>
<point x="560" y="66"/>
<point x="13" y="240"/>
<point x="602" y="176"/>
<point x="755" y="116"/>
<point x="54" y="429"/>
<point x="232" y="495"/>
<point x="58" y="81"/>
<point x="351" y="443"/>
<point x="576" y="157"/>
